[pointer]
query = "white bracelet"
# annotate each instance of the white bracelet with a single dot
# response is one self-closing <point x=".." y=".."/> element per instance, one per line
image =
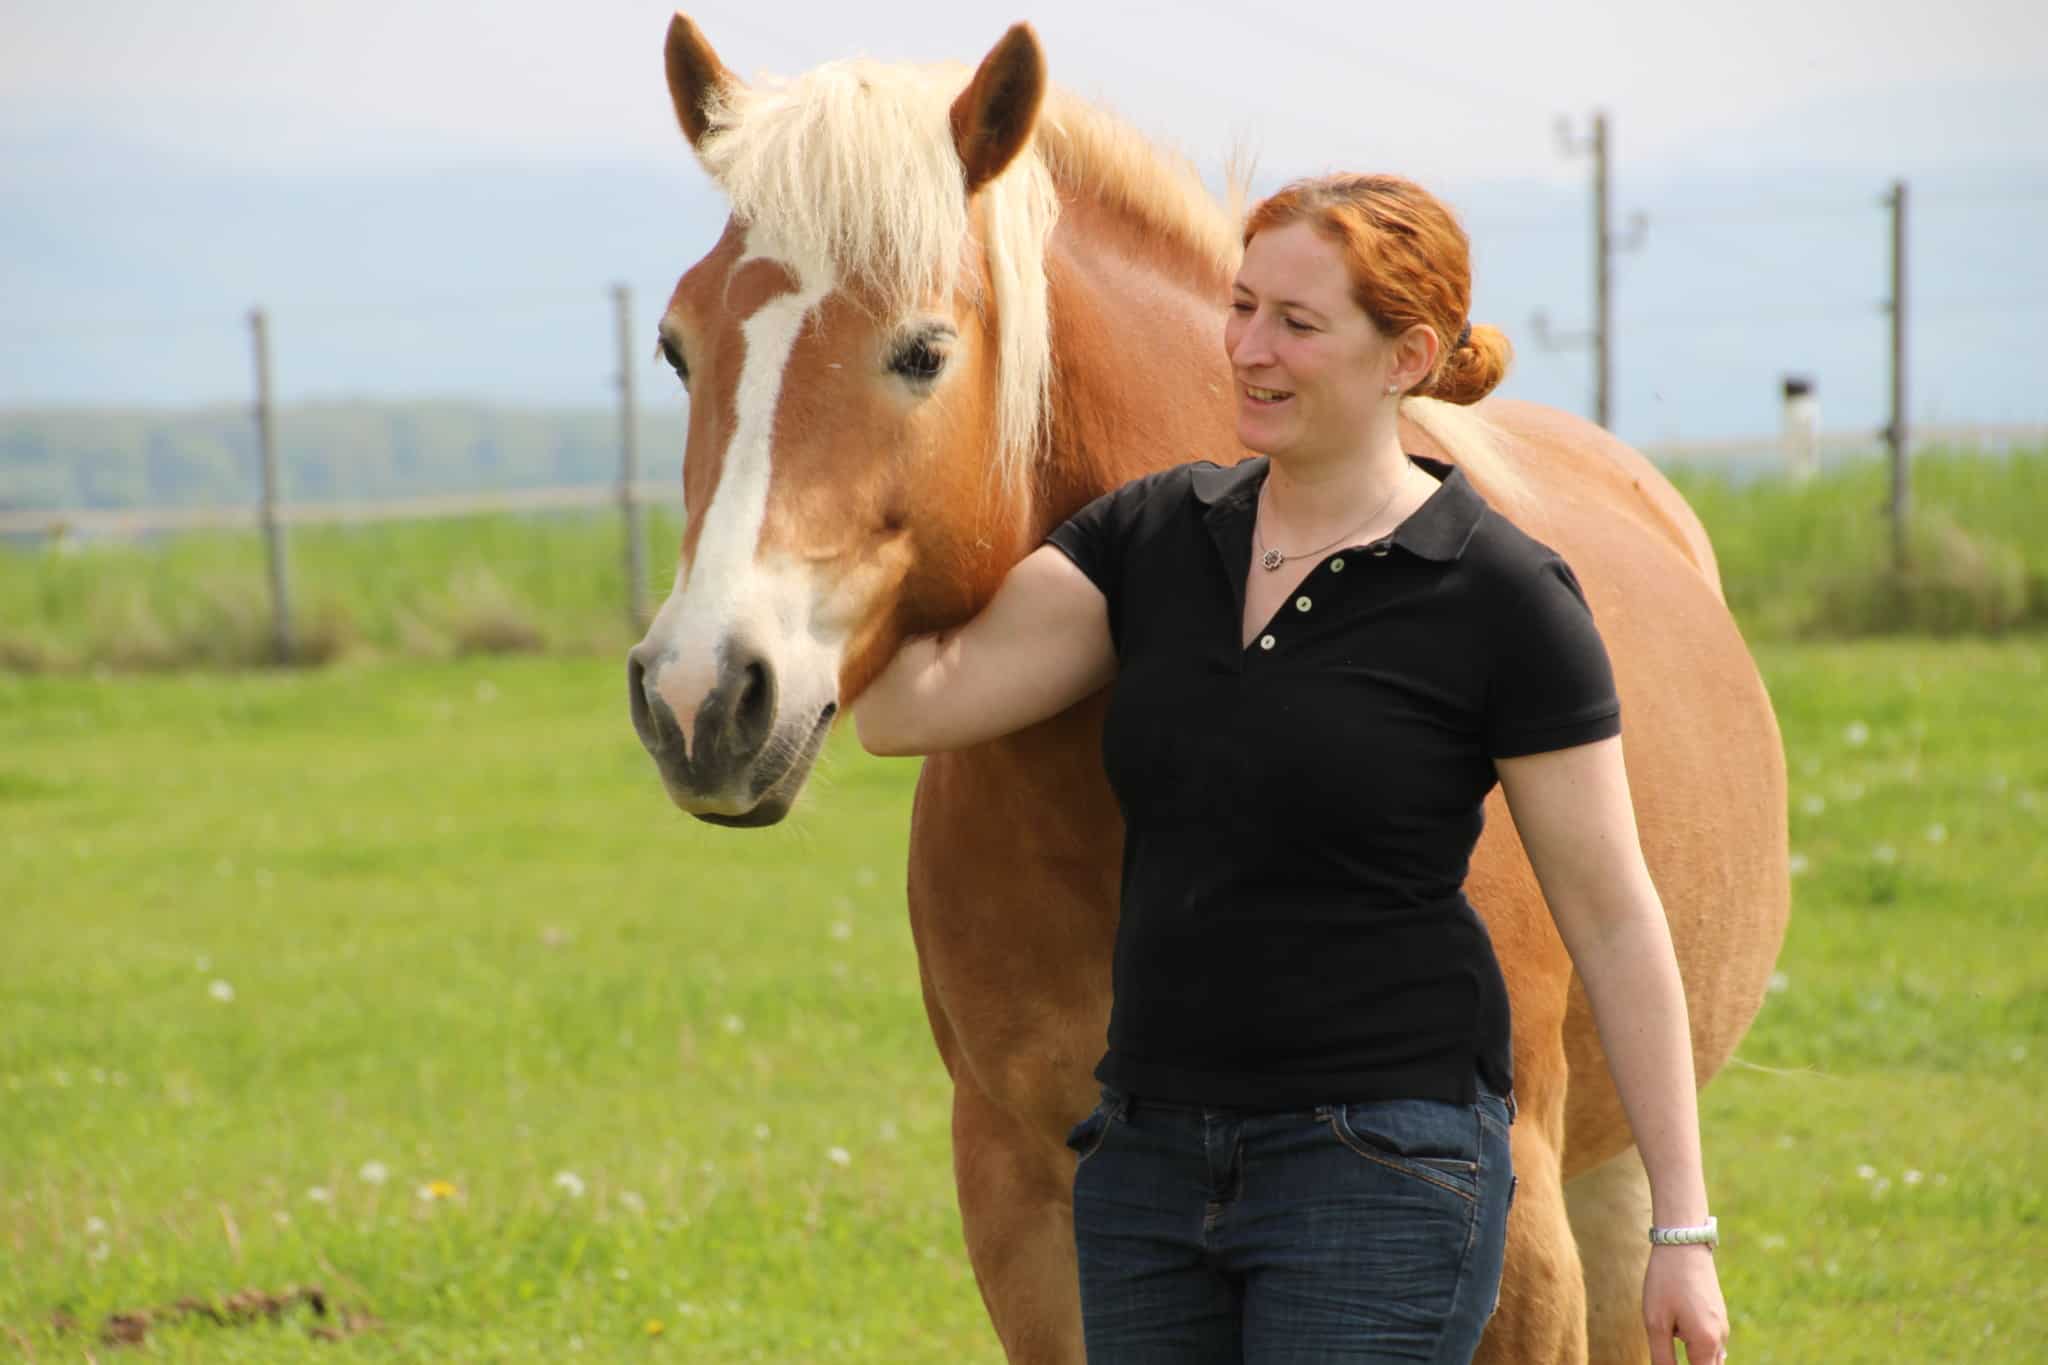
<point x="1707" y="1234"/>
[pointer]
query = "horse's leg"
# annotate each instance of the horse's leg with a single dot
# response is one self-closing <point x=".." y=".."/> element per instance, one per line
<point x="1016" y="1207"/>
<point x="1610" y="1210"/>
<point x="1542" y="1314"/>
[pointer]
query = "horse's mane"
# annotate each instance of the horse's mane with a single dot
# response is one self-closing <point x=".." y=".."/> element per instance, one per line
<point x="853" y="164"/>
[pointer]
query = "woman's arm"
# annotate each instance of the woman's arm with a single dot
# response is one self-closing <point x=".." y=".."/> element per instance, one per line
<point x="1572" y="809"/>
<point x="1040" y="645"/>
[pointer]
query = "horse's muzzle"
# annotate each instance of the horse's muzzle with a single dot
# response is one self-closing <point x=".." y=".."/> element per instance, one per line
<point x="724" y="763"/>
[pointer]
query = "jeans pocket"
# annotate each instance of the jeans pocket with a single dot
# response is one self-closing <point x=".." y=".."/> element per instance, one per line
<point x="1087" y="1135"/>
<point x="1428" y="1139"/>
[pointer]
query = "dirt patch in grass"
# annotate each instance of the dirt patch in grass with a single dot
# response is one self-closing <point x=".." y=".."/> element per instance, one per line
<point x="241" y="1309"/>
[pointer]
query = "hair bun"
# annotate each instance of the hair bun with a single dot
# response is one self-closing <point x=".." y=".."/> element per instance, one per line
<point x="1472" y="368"/>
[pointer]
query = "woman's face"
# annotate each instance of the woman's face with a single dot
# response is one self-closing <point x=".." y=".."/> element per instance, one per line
<point x="1311" y="367"/>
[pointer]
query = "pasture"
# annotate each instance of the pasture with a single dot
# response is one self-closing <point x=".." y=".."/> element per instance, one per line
<point x="405" y="982"/>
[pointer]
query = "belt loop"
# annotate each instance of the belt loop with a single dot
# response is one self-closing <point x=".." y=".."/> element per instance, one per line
<point x="1512" y="1111"/>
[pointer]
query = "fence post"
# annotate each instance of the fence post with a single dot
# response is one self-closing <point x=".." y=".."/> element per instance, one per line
<point x="629" y="465"/>
<point x="1896" y="434"/>
<point x="273" y="532"/>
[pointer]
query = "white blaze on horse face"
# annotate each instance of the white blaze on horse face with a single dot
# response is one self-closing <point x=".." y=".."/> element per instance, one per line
<point x="726" y="593"/>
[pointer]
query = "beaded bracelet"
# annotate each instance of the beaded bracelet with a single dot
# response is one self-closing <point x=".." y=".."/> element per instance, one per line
<point x="1707" y="1234"/>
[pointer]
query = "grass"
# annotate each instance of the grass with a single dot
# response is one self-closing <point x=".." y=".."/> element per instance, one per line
<point x="1798" y="563"/>
<point x="641" y="1088"/>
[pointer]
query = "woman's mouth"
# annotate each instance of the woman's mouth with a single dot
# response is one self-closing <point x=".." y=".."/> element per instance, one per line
<point x="1259" y="395"/>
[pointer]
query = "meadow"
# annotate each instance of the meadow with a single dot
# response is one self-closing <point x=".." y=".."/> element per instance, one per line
<point x="398" y="977"/>
<point x="406" y="983"/>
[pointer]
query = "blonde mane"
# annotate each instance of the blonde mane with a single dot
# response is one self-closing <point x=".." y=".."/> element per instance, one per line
<point x="853" y="163"/>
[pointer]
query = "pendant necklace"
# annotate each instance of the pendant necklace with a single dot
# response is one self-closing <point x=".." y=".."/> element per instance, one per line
<point x="1269" y="560"/>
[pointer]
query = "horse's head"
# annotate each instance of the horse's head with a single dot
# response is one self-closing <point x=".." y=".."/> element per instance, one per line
<point x="866" y="354"/>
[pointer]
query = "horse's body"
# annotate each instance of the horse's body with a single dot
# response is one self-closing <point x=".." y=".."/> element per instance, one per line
<point x="841" y="495"/>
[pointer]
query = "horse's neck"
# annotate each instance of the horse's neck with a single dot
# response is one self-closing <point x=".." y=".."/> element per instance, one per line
<point x="1139" y="377"/>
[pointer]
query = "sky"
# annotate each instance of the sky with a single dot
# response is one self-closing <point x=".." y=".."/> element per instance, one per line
<point x="165" y="165"/>
<point x="1445" y="92"/>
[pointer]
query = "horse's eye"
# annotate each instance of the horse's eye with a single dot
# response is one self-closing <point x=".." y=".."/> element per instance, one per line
<point x="918" y="360"/>
<point x="675" y="360"/>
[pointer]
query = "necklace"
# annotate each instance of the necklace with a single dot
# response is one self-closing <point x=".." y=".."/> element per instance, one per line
<point x="1269" y="560"/>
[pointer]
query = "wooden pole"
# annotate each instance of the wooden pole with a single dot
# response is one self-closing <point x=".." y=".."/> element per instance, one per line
<point x="1603" y="295"/>
<point x="629" y="464"/>
<point x="1896" y="433"/>
<point x="273" y="531"/>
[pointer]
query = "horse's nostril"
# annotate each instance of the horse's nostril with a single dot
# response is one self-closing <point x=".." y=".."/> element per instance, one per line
<point x="755" y="711"/>
<point x="652" y="720"/>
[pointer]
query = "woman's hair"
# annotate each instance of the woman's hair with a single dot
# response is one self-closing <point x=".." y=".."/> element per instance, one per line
<point x="1409" y="263"/>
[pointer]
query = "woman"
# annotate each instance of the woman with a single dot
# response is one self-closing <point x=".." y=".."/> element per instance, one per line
<point x="1323" y="659"/>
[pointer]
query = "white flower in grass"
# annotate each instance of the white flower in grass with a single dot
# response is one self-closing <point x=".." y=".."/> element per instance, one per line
<point x="95" y="1226"/>
<point x="1885" y="853"/>
<point x="1912" y="1177"/>
<point x="320" y="1194"/>
<point x="569" y="1183"/>
<point x="1858" y="734"/>
<point x="1779" y="983"/>
<point x="839" y="1156"/>
<point x="888" y="1131"/>
<point x="762" y="1132"/>
<point x="1937" y="833"/>
<point x="2019" y="1052"/>
<point x="374" y="1173"/>
<point x="283" y="1219"/>
<point x="631" y="1202"/>
<point x="842" y="931"/>
<point x="1798" y="864"/>
<point x="1786" y="1142"/>
<point x="864" y="876"/>
<point x="1771" y="1241"/>
<point x="687" y="1309"/>
<point x="1879" y="1186"/>
<point x="1813" y="805"/>
<point x="1866" y="1172"/>
<point x="222" y="991"/>
<point x="1940" y="1179"/>
<point x="732" y="1023"/>
<point x="486" y="691"/>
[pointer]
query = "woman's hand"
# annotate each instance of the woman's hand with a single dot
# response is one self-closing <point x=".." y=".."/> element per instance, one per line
<point x="1040" y="645"/>
<point x="1682" y="1298"/>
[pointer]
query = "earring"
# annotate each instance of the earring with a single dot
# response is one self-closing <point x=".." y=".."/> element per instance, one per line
<point x="1393" y="389"/>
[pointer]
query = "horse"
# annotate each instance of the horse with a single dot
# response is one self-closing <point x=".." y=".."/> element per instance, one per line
<point x="947" y="309"/>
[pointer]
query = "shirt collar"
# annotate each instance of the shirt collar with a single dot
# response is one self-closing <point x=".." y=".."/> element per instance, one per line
<point x="1438" y="530"/>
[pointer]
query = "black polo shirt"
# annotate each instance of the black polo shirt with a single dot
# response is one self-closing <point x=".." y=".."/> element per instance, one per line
<point x="1299" y="814"/>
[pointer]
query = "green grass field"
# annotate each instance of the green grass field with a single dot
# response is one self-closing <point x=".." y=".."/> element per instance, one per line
<point x="405" y="981"/>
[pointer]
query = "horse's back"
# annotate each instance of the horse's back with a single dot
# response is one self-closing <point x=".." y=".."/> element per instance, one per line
<point x="1705" y="762"/>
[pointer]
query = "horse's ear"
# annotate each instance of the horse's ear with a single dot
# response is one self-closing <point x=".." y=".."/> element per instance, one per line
<point x="994" y="115"/>
<point x="697" y="81"/>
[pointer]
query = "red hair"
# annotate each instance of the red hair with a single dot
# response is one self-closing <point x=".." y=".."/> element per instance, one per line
<point x="1410" y="264"/>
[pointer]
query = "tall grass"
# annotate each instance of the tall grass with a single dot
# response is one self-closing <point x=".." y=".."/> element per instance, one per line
<point x="1798" y="562"/>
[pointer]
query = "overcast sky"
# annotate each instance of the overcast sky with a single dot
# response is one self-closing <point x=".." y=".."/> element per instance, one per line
<point x="1444" y="92"/>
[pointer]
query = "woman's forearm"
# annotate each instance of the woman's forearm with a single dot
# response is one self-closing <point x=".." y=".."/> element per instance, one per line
<point x="1638" y="1001"/>
<point x="886" y="715"/>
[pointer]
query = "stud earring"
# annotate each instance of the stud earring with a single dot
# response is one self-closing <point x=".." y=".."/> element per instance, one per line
<point x="1393" y="389"/>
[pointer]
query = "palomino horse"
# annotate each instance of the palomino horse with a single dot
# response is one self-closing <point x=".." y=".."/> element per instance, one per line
<point x="945" y="312"/>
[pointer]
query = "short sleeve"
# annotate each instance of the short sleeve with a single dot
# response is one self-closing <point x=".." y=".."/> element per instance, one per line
<point x="1094" y="537"/>
<point x="1552" y="685"/>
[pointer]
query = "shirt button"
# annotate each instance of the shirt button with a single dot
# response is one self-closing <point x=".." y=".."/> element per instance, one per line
<point x="1380" y="550"/>
<point x="1336" y="566"/>
<point x="1302" y="604"/>
<point x="1267" y="642"/>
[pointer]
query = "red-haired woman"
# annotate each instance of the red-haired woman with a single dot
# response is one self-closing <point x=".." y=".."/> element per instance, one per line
<point x="1323" y="660"/>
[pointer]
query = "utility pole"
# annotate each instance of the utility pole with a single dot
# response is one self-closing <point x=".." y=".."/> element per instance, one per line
<point x="629" y="464"/>
<point x="1601" y="337"/>
<point x="1895" y="433"/>
<point x="273" y="533"/>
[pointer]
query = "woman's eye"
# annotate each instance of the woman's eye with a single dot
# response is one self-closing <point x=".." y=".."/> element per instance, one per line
<point x="1297" y="325"/>
<point x="918" y="360"/>
<point x="1240" y="307"/>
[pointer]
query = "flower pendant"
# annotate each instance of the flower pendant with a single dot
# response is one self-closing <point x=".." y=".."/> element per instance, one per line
<point x="1272" y="560"/>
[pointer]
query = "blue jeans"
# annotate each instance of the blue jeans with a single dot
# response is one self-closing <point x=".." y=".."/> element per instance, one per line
<point x="1358" y="1233"/>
